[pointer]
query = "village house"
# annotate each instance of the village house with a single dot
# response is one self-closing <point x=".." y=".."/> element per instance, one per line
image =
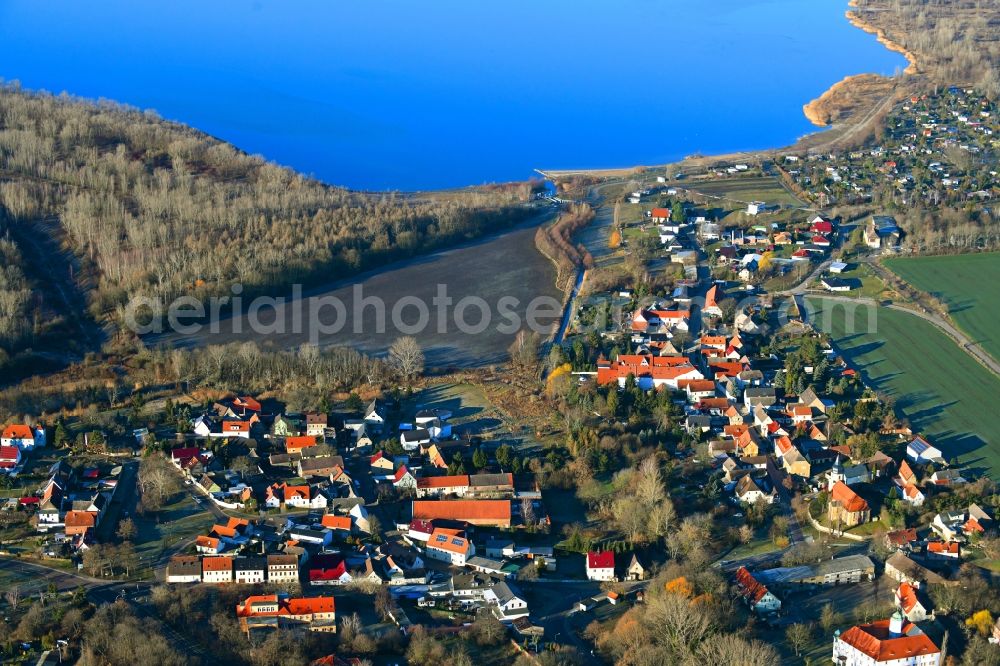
<point x="327" y="569"/>
<point x="316" y="424"/>
<point x="948" y="551"/>
<point x="282" y="568"/>
<point x="298" y="444"/>
<point x="635" y="570"/>
<point x="184" y="569"/>
<point x="756" y="595"/>
<point x="249" y="570"/>
<point x="749" y="491"/>
<point x="506" y="601"/>
<point x="601" y="565"/>
<point x="919" y="450"/>
<point x="438" y="486"/>
<point x="649" y="371"/>
<point x="217" y="570"/>
<point x="901" y="568"/>
<point x="23" y="437"/>
<point x="447" y="546"/>
<point x="10" y="458"/>
<point x="907" y="601"/>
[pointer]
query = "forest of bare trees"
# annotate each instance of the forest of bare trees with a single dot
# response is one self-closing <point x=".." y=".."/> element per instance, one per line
<point x="159" y="209"/>
<point x="15" y="296"/>
<point x="956" y="42"/>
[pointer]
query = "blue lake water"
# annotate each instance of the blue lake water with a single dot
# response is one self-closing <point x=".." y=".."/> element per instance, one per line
<point x="398" y="94"/>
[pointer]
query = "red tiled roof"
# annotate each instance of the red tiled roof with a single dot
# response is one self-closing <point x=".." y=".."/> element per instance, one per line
<point x="18" y="431"/>
<point x="216" y="564"/>
<point x="907" y="596"/>
<point x="750" y="588"/>
<point x="206" y="541"/>
<point x="10" y="453"/>
<point x="874" y="641"/>
<point x="310" y="605"/>
<point x="235" y="426"/>
<point x="848" y="499"/>
<point x="902" y="537"/>
<point x="661" y="213"/>
<point x="950" y="547"/>
<point x="458" y="481"/>
<point x="303" y="442"/>
<point x="333" y="522"/>
<point x="443" y="539"/>
<point x="602" y="559"/>
<point x="247" y="403"/>
<point x="80" y="519"/>
<point x="467" y="510"/>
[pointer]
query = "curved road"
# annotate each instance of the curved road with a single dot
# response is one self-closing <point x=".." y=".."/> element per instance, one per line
<point x="941" y="323"/>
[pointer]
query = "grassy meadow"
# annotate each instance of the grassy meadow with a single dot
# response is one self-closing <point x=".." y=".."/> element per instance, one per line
<point x="968" y="283"/>
<point x="940" y="389"/>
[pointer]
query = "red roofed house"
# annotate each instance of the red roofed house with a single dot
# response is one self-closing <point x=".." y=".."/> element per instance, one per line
<point x="297" y="444"/>
<point x="893" y="641"/>
<point x="445" y="546"/>
<point x="247" y="404"/>
<point x="236" y="429"/>
<point x="403" y="478"/>
<point x="272" y="610"/>
<point x="821" y="226"/>
<point x="328" y="569"/>
<point x="907" y="601"/>
<point x="10" y="456"/>
<point x="944" y="550"/>
<point x="660" y="215"/>
<point x="22" y="436"/>
<point x="436" y="486"/>
<point x="847" y="508"/>
<point x="381" y="461"/>
<point x="756" y="595"/>
<point x="209" y="545"/>
<point x="79" y="522"/>
<point x="601" y="565"/>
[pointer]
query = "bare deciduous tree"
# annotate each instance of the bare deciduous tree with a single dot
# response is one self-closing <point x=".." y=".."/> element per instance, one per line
<point x="407" y="357"/>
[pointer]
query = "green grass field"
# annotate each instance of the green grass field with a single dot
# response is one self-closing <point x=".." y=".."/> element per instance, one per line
<point x="756" y="188"/>
<point x="968" y="283"/>
<point x="943" y="391"/>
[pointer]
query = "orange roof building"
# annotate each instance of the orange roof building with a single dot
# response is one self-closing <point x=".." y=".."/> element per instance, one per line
<point x="79" y="522"/>
<point x="332" y="522"/>
<point x="886" y="641"/>
<point x="297" y="444"/>
<point x="474" y="512"/>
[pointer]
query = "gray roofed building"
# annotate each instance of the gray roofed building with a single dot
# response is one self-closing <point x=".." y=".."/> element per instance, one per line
<point x="850" y="569"/>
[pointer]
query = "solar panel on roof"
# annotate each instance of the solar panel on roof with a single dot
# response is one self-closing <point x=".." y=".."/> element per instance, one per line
<point x="442" y="538"/>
